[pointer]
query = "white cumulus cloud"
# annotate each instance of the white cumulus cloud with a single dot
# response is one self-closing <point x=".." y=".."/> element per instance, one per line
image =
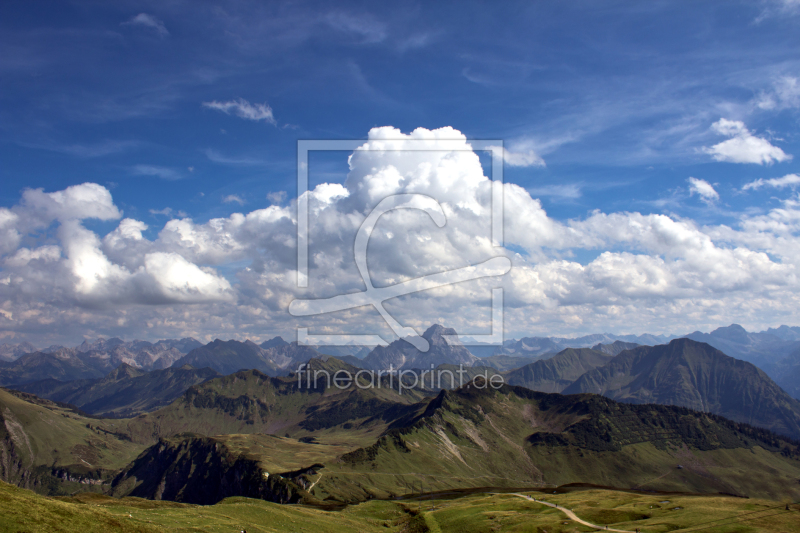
<point x="703" y="189"/>
<point x="743" y="146"/>
<point x="643" y="272"/>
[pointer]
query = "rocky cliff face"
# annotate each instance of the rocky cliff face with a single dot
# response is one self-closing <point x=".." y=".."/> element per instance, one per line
<point x="202" y="470"/>
<point x="13" y="468"/>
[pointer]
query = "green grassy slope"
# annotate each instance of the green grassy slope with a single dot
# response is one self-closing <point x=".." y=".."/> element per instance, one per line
<point x="55" y="449"/>
<point x="252" y="402"/>
<point x="24" y="511"/>
<point x="515" y="437"/>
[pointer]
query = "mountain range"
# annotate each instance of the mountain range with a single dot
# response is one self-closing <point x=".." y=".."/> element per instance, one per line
<point x="274" y="357"/>
<point x="773" y="350"/>
<point x="253" y="435"/>
<point x="90" y="360"/>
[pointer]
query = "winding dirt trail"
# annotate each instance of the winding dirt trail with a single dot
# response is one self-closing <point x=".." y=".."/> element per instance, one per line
<point x="572" y="516"/>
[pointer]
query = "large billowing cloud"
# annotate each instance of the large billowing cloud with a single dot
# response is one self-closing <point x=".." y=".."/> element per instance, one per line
<point x="639" y="272"/>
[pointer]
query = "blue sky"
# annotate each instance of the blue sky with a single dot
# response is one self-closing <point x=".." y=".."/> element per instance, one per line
<point x="192" y="110"/>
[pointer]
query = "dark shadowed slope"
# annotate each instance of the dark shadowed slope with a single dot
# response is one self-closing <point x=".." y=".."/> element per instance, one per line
<point x="695" y="375"/>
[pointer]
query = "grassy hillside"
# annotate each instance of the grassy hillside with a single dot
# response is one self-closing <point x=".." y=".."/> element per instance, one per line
<point x="252" y="402"/>
<point x="482" y="512"/>
<point x="53" y="449"/>
<point x="515" y="437"/>
<point x="695" y="375"/>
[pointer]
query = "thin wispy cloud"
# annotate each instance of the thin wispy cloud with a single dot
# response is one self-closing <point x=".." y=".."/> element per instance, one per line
<point x="520" y="156"/>
<point x="89" y="150"/>
<point x="363" y="26"/>
<point x="165" y="173"/>
<point x="789" y="180"/>
<point x="569" y="191"/>
<point x="244" y="109"/>
<point x="233" y="199"/>
<point x="217" y="157"/>
<point x="743" y="146"/>
<point x="277" y="197"/>
<point x="148" y="21"/>
<point x="778" y="8"/>
<point x="785" y="94"/>
<point x="169" y="212"/>
<point x="416" y="41"/>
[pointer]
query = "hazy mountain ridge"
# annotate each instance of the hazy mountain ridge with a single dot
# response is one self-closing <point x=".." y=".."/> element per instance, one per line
<point x="11" y="352"/>
<point x="61" y="366"/>
<point x="615" y="348"/>
<point x="402" y="355"/>
<point x="558" y="372"/>
<point x="127" y="391"/>
<point x="90" y="360"/>
<point x="530" y="346"/>
<point x="227" y="357"/>
<point x="764" y="349"/>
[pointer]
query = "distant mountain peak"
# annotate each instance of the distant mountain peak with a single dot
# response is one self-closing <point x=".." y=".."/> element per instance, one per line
<point x="274" y="342"/>
<point x="436" y="334"/>
<point x="732" y="332"/>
